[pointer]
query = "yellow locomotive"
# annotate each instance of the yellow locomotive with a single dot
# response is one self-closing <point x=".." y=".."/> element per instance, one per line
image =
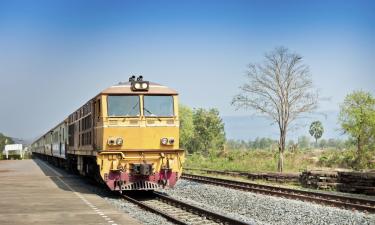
<point x="128" y="135"/>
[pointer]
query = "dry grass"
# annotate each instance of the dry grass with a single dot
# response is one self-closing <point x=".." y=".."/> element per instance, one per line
<point x="251" y="161"/>
<point x="262" y="161"/>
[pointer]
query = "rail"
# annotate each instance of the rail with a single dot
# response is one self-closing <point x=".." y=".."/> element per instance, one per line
<point x="177" y="211"/>
<point x="346" y="202"/>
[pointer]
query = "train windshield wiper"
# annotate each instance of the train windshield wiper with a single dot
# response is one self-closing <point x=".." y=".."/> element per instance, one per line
<point x="151" y="114"/>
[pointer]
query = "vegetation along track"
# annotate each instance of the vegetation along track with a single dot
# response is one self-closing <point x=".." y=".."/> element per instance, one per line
<point x="176" y="211"/>
<point x="317" y="197"/>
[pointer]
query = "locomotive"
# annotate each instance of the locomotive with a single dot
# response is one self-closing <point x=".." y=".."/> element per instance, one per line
<point x="127" y="137"/>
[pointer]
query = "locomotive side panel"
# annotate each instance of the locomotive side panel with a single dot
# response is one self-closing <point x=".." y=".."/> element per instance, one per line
<point x="80" y="131"/>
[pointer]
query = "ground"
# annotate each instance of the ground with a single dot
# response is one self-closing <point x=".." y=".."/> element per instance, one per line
<point x="266" y="160"/>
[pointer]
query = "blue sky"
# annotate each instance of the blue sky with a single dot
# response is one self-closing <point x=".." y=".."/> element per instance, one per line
<point x="55" y="55"/>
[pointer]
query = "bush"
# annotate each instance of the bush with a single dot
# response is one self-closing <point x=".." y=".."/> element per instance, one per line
<point x="251" y="161"/>
<point x="345" y="159"/>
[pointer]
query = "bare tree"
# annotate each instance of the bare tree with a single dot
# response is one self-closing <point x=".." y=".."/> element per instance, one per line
<point x="280" y="88"/>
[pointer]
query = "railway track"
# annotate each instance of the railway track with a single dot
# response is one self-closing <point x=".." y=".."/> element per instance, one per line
<point x="276" y="177"/>
<point x="176" y="211"/>
<point x="351" y="203"/>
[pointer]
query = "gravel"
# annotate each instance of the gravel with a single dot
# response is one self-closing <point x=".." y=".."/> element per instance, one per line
<point x="138" y="213"/>
<point x="262" y="209"/>
<point x="246" y="206"/>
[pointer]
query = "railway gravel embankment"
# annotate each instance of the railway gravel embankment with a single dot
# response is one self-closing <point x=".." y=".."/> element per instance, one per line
<point x="262" y="209"/>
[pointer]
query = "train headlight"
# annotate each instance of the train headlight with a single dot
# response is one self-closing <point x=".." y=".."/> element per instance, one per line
<point x="167" y="141"/>
<point x="119" y="141"/>
<point x="111" y="141"/>
<point x="164" y="141"/>
<point x="140" y="85"/>
<point x="144" y="85"/>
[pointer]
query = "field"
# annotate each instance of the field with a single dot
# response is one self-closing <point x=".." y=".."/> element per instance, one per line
<point x="266" y="161"/>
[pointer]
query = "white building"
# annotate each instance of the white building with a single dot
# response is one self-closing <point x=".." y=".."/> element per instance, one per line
<point x="13" y="150"/>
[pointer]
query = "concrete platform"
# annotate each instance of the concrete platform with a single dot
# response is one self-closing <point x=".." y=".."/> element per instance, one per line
<point x="33" y="192"/>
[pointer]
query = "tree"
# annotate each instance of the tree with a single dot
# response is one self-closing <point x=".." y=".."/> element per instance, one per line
<point x="303" y="142"/>
<point x="186" y="127"/>
<point x="201" y="130"/>
<point x="316" y="130"/>
<point x="209" y="134"/>
<point x="279" y="88"/>
<point x="323" y="143"/>
<point x="357" y="118"/>
<point x="4" y="140"/>
<point x="290" y="144"/>
<point x="335" y="143"/>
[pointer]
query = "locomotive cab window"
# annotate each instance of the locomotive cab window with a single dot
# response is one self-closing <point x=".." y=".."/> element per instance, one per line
<point x="158" y="106"/>
<point x="123" y="105"/>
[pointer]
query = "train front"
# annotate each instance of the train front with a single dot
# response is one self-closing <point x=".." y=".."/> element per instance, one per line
<point x="140" y="136"/>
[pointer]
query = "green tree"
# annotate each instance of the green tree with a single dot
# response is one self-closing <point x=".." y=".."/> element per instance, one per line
<point x="335" y="143"/>
<point x="316" y="130"/>
<point x="323" y="143"/>
<point x="186" y="127"/>
<point x="357" y="118"/>
<point x="3" y="141"/>
<point x="290" y="143"/>
<point x="209" y="134"/>
<point x="279" y="88"/>
<point x="303" y="142"/>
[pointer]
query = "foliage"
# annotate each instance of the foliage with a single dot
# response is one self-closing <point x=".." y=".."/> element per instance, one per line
<point x="260" y="155"/>
<point x="344" y="159"/>
<point x="251" y="161"/>
<point x="258" y="143"/>
<point x="186" y="127"/>
<point x="202" y="131"/>
<point x="357" y="118"/>
<point x="337" y="143"/>
<point x="316" y="130"/>
<point x="303" y="142"/>
<point x="264" y="160"/>
<point x="3" y="141"/>
<point x="209" y="134"/>
<point x="323" y="143"/>
<point x="281" y="89"/>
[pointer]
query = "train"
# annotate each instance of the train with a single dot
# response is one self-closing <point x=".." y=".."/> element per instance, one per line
<point x="126" y="137"/>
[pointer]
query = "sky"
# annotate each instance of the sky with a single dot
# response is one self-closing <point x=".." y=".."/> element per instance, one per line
<point x="56" y="55"/>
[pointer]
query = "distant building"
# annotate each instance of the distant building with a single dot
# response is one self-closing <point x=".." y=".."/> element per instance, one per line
<point x="13" y="151"/>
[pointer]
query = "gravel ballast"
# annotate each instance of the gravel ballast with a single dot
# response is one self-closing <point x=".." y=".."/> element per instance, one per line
<point x="136" y="212"/>
<point x="246" y="206"/>
<point x="262" y="209"/>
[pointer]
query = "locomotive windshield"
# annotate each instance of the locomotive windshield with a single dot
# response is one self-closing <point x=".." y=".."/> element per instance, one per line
<point x="126" y="105"/>
<point x="155" y="105"/>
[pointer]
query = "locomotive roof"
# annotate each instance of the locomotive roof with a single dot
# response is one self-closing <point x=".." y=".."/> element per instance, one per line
<point x="124" y="88"/>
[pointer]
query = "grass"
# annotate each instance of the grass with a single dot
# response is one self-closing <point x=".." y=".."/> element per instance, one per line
<point x="266" y="160"/>
<point x="347" y="159"/>
<point x="253" y="161"/>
